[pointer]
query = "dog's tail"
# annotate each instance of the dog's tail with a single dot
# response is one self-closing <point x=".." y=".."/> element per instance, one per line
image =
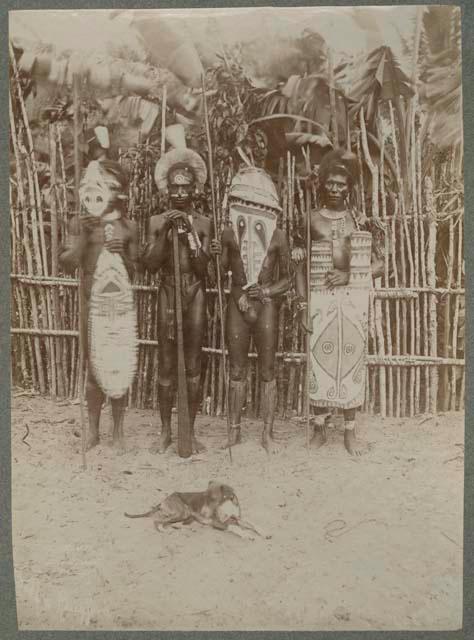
<point x="143" y="515"/>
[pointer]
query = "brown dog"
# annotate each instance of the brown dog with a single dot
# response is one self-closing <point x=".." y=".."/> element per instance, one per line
<point x="196" y="505"/>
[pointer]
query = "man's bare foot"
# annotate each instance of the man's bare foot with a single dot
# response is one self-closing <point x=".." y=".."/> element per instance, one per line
<point x="353" y="446"/>
<point x="118" y="444"/>
<point x="319" y="437"/>
<point x="198" y="447"/>
<point x="162" y="444"/>
<point x="235" y="438"/>
<point x="269" y="443"/>
<point x="93" y="440"/>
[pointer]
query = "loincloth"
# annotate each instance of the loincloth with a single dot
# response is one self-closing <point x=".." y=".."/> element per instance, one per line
<point x="190" y="285"/>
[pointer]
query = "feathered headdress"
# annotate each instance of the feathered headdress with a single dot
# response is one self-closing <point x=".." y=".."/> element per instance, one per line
<point x="179" y="157"/>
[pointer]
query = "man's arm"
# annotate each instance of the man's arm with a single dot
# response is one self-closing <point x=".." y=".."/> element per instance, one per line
<point x="200" y="255"/>
<point x="130" y="256"/>
<point x="377" y="264"/>
<point x="154" y="252"/>
<point x="281" y="252"/>
<point x="278" y="254"/>
<point x="221" y="247"/>
<point x="72" y="252"/>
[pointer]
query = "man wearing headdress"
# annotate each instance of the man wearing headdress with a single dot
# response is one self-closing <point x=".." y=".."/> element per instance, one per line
<point x="256" y="251"/>
<point x="179" y="172"/>
<point x="342" y="265"/>
<point x="104" y="243"/>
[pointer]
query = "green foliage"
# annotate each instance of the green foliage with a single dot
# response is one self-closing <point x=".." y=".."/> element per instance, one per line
<point x="441" y="78"/>
<point x="380" y="78"/>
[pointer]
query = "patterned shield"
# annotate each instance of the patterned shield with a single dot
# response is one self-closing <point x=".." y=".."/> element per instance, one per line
<point x="113" y="337"/>
<point x="253" y="212"/>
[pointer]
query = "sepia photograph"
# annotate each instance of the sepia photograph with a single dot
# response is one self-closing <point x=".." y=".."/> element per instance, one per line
<point x="237" y="318"/>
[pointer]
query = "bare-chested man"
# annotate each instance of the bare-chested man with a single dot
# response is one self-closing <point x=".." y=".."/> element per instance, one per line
<point x="342" y="264"/>
<point x="256" y="251"/>
<point x="179" y="172"/>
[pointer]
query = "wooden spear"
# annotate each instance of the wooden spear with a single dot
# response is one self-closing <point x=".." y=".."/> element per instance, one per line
<point x="308" y="297"/>
<point x="81" y="305"/>
<point x="220" y="296"/>
<point x="308" y="314"/>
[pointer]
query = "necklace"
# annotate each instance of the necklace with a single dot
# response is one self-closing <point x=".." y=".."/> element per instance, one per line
<point x="338" y="224"/>
<point x="330" y="214"/>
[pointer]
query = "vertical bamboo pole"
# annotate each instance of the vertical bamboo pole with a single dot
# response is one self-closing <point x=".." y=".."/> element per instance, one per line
<point x="38" y="360"/>
<point x="291" y="212"/>
<point x="221" y="378"/>
<point x="38" y="229"/>
<point x="163" y="120"/>
<point x="283" y="193"/>
<point x="423" y="257"/>
<point x="361" y="178"/>
<point x="54" y="258"/>
<point x="431" y="281"/>
<point x="17" y="309"/>
<point x="403" y="303"/>
<point x="416" y="275"/>
<point x="457" y="301"/>
<point x="45" y="311"/>
<point x="447" y="319"/>
<point x="81" y="300"/>
<point x="388" y="320"/>
<point x="332" y="100"/>
<point x="308" y="317"/>
<point x="380" y="340"/>
<point x="397" y="312"/>
<point x="414" y="75"/>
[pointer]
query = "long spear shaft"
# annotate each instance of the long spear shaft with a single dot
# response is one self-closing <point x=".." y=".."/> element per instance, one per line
<point x="81" y="306"/>
<point x="308" y="310"/>
<point x="218" y="263"/>
<point x="308" y="298"/>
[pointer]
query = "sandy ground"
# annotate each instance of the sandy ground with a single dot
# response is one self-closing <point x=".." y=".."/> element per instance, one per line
<point x="368" y="544"/>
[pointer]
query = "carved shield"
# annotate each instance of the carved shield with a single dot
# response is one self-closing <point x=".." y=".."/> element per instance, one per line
<point x="253" y="229"/>
<point x="113" y="336"/>
<point x="253" y="212"/>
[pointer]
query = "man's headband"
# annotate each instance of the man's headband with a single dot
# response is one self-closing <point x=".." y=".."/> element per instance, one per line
<point x="181" y="176"/>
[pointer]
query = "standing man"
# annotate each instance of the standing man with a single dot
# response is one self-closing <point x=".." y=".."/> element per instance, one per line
<point x="104" y="243"/>
<point x="256" y="251"/>
<point x="342" y="265"/>
<point x="180" y="172"/>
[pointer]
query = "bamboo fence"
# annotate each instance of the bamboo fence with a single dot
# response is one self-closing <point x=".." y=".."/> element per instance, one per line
<point x="416" y="327"/>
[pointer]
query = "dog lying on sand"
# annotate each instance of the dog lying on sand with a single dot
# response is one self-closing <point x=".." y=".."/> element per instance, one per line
<point x="217" y="506"/>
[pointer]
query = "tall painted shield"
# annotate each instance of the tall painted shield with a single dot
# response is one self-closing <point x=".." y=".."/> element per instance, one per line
<point x="112" y="321"/>
<point x="253" y="212"/>
<point x="113" y="337"/>
<point x="339" y="320"/>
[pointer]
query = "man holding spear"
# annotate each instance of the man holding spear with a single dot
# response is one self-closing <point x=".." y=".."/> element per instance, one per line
<point x="104" y="243"/>
<point x="178" y="246"/>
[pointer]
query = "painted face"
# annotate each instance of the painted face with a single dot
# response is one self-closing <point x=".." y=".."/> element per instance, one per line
<point x="180" y="186"/>
<point x="336" y="187"/>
